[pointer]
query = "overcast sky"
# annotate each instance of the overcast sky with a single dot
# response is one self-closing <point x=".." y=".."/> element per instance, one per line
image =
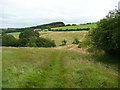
<point x="24" y="13"/>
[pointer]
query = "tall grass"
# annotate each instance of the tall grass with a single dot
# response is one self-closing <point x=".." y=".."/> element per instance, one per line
<point x="51" y="68"/>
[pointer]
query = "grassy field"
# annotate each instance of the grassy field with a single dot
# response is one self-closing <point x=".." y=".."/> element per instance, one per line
<point x="78" y="26"/>
<point x="60" y="67"/>
<point x="54" y="68"/>
<point x="67" y="27"/>
<point x="60" y="36"/>
<point x="15" y="33"/>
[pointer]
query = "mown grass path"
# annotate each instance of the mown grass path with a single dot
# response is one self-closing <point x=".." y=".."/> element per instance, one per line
<point x="55" y="72"/>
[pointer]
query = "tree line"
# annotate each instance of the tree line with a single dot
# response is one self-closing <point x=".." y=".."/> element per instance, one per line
<point x="44" y="26"/>
<point x="78" y="29"/>
<point x="27" y="38"/>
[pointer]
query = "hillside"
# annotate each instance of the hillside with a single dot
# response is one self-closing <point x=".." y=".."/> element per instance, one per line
<point x="77" y="27"/>
<point x="60" y="36"/>
<point x="44" y="26"/>
<point x="49" y="25"/>
<point x="60" y="67"/>
<point x="66" y="27"/>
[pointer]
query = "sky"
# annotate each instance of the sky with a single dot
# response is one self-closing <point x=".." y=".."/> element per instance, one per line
<point x="25" y="13"/>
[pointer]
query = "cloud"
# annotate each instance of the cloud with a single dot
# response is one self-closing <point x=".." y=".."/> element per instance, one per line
<point x="23" y="13"/>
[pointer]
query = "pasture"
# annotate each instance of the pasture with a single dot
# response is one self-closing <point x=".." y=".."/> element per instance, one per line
<point x="60" y="36"/>
<point x="67" y="27"/>
<point x="55" y="68"/>
<point x="59" y="67"/>
<point x="77" y="26"/>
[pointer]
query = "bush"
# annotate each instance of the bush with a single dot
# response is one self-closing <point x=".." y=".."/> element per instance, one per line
<point x="73" y="24"/>
<point x="79" y="46"/>
<point x="85" y="29"/>
<point x="42" y="42"/>
<point x="107" y="35"/>
<point x="63" y="42"/>
<point x="49" y="29"/>
<point x="28" y="37"/>
<point x="68" y="25"/>
<point x="9" y="40"/>
<point x="3" y="33"/>
<point x="76" y="41"/>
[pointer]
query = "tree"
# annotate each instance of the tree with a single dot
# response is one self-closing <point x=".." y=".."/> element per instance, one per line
<point x="28" y="37"/>
<point x="107" y="35"/>
<point x="73" y="24"/>
<point x="9" y="40"/>
<point x="68" y="25"/>
<point x="42" y="42"/>
<point x="3" y="33"/>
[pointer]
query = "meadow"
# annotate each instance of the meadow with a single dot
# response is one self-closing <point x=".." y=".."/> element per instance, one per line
<point x="59" y="67"/>
<point x="68" y="67"/>
<point x="77" y="26"/>
<point x="15" y="33"/>
<point x="67" y="27"/>
<point x="60" y="36"/>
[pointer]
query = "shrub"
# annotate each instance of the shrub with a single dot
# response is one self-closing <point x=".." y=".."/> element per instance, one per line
<point x="68" y="25"/>
<point x="42" y="42"/>
<point x="49" y="29"/>
<point x="63" y="42"/>
<point x="3" y="33"/>
<point x="76" y="41"/>
<point x="79" y="46"/>
<point x="107" y="35"/>
<point x="9" y="40"/>
<point x="28" y="37"/>
<point x="32" y="42"/>
<point x="73" y="24"/>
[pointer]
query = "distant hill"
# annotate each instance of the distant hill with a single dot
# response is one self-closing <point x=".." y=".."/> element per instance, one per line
<point x="50" y="25"/>
<point x="44" y="26"/>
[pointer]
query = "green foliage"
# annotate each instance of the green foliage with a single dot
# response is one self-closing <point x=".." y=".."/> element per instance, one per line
<point x="28" y="37"/>
<point x="11" y="30"/>
<point x="49" y="29"/>
<point x="3" y="33"/>
<point x="32" y="42"/>
<point x="79" y="46"/>
<point x="43" y="42"/>
<point x="9" y="40"/>
<point x="68" y="25"/>
<point x="86" y="42"/>
<point x="107" y="35"/>
<point x="77" y="29"/>
<point x="76" y="41"/>
<point x="63" y="42"/>
<point x="73" y="24"/>
<point x="50" y="25"/>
